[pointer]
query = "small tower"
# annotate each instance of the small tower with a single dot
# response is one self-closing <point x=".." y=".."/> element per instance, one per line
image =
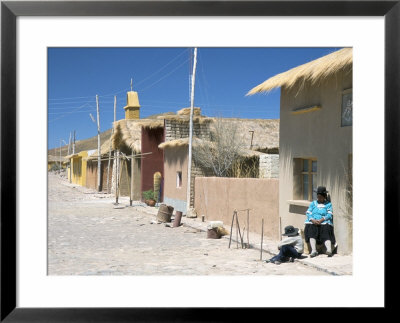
<point x="132" y="105"/>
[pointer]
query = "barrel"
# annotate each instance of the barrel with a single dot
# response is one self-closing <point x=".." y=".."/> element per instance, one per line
<point x="177" y="220"/>
<point x="164" y="213"/>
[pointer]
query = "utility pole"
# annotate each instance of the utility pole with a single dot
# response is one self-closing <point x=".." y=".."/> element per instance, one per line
<point x="73" y="145"/>
<point x="109" y="150"/>
<point x="98" y="147"/>
<point x="131" y="190"/>
<point x="61" y="140"/>
<point x="189" y="173"/>
<point x="116" y="156"/>
<point x="60" y="156"/>
<point x="69" y="143"/>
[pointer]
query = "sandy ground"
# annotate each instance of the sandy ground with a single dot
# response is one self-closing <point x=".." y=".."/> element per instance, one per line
<point x="88" y="236"/>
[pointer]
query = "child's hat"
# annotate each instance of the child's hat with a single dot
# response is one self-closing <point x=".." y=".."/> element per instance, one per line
<point x="290" y="230"/>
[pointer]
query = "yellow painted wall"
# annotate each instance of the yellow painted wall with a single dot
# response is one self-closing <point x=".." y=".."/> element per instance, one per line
<point x="50" y="164"/>
<point x="78" y="168"/>
<point x="131" y="113"/>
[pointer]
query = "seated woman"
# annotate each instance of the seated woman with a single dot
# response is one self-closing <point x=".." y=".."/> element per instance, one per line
<point x="291" y="247"/>
<point x="318" y="224"/>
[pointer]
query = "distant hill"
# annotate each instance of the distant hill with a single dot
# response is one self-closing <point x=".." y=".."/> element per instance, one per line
<point x="91" y="143"/>
<point x="80" y="145"/>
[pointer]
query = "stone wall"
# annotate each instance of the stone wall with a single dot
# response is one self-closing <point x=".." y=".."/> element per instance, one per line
<point x="269" y="166"/>
<point x="176" y="129"/>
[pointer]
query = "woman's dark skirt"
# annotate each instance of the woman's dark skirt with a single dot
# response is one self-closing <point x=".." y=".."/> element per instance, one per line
<point x="321" y="233"/>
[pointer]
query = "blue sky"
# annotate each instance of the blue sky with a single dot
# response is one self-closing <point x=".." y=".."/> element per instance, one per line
<point x="161" y="78"/>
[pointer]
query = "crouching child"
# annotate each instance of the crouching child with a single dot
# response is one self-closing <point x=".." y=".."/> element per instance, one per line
<point x="289" y="248"/>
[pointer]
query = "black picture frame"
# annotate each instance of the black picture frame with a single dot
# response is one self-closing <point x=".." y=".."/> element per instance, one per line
<point x="10" y="10"/>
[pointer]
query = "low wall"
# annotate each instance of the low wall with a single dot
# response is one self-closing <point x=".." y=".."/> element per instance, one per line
<point x="217" y="197"/>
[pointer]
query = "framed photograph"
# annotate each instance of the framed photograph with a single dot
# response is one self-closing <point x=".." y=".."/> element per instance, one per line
<point x="29" y="28"/>
<point x="347" y="108"/>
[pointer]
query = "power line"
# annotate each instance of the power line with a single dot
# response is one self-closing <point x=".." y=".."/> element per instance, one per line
<point x="162" y="67"/>
<point x="124" y="90"/>
<point x="67" y="113"/>
<point x="142" y="90"/>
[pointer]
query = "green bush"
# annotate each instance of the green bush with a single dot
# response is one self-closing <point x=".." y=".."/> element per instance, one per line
<point x="148" y="195"/>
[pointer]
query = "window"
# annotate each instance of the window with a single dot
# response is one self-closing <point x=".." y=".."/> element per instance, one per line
<point x="178" y="179"/>
<point x="347" y="108"/>
<point x="308" y="179"/>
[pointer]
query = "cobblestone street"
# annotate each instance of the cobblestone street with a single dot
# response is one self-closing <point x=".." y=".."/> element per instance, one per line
<point x="88" y="236"/>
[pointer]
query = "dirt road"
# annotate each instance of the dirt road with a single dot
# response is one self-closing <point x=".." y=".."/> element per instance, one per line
<point x="88" y="236"/>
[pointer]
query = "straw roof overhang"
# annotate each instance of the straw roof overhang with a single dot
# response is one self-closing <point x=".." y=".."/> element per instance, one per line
<point x="151" y="123"/>
<point x="183" y="118"/>
<point x="128" y="132"/>
<point x="314" y="71"/>
<point x="104" y="150"/>
<point x="174" y="143"/>
<point x="181" y="142"/>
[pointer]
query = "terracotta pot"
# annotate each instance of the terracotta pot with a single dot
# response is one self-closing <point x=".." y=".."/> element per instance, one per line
<point x="150" y="202"/>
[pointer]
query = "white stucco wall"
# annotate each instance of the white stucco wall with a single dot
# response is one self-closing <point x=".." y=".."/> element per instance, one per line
<point x="269" y="166"/>
<point x="317" y="134"/>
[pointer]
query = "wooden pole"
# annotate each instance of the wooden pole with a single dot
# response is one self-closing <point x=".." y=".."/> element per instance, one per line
<point x="131" y="190"/>
<point x="127" y="176"/>
<point x="98" y="146"/>
<point x="60" y="156"/>
<point x="73" y="144"/>
<point x="69" y="143"/>
<point x="109" y="150"/>
<point x="248" y="223"/>
<point x="238" y="226"/>
<point x="230" y="237"/>
<point x="237" y="238"/>
<point x="262" y="236"/>
<point x="189" y="173"/>
<point x="116" y="176"/>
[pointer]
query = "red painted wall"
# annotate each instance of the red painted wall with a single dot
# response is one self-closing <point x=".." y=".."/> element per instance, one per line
<point x="154" y="162"/>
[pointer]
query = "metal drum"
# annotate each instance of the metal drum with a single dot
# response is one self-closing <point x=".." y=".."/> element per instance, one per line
<point x="164" y="213"/>
<point x="177" y="220"/>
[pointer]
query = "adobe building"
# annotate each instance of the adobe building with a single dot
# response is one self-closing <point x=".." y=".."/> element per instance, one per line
<point x="106" y="169"/>
<point x="260" y="140"/>
<point x="138" y="156"/>
<point x="78" y="164"/>
<point x="316" y="141"/>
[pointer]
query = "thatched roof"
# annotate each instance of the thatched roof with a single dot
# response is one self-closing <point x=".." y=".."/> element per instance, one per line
<point x="186" y="111"/>
<point x="265" y="135"/>
<point x="183" y="118"/>
<point x="104" y="150"/>
<point x="314" y="71"/>
<point x="128" y="132"/>
<point x="151" y="123"/>
<point x="179" y="143"/>
<point x="174" y="143"/>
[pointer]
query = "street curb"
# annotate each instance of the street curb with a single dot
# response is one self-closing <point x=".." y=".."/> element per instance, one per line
<point x="252" y="246"/>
